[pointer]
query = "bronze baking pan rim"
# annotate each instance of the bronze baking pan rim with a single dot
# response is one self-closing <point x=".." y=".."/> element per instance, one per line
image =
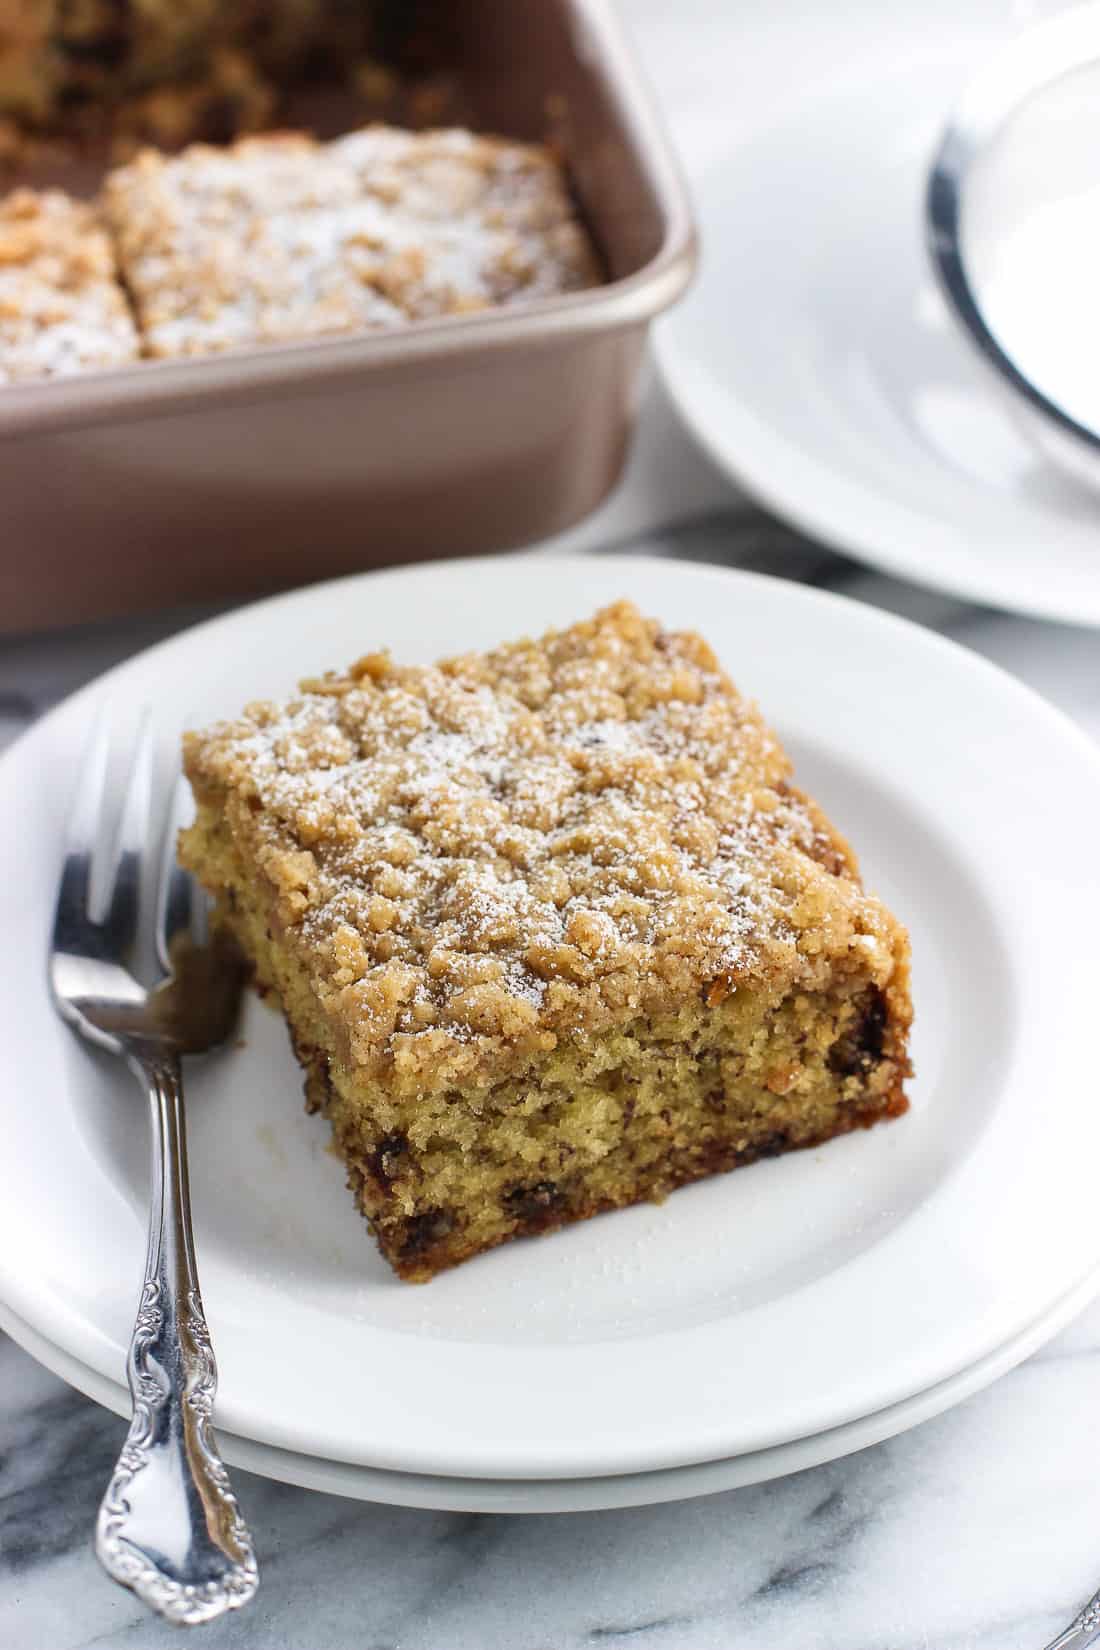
<point x="147" y="386"/>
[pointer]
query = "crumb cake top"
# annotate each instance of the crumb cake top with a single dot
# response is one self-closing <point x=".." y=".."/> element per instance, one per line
<point x="279" y="236"/>
<point x="60" y="307"/>
<point x="226" y="247"/>
<point x="476" y="859"/>
<point x="463" y="220"/>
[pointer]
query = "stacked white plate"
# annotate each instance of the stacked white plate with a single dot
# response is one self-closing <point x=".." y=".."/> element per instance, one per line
<point x="755" y="1323"/>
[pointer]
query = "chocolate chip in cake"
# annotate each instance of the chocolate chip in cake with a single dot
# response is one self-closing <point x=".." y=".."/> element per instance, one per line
<point x="862" y="1046"/>
<point x="534" y="1203"/>
<point x="769" y="1145"/>
<point x="385" y="1161"/>
<point x="422" y="1231"/>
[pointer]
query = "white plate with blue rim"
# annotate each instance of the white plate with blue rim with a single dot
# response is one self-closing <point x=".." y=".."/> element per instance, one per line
<point x="750" y="1311"/>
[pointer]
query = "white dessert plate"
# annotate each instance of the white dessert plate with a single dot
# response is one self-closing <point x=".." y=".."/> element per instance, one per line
<point x="594" y="1494"/>
<point x="816" y="360"/>
<point x="748" y="1311"/>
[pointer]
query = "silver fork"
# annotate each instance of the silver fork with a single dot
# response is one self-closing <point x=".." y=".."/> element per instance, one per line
<point x="169" y="1526"/>
<point x="1082" y="1631"/>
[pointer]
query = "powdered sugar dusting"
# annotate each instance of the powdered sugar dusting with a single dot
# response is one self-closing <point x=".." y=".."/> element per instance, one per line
<point x="279" y="237"/>
<point x="535" y="840"/>
<point x="61" y="308"/>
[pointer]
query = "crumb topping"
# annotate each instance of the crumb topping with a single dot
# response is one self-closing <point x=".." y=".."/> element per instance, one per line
<point x="61" y="309"/>
<point x="519" y="845"/>
<point x="279" y="237"/>
<point x="459" y="221"/>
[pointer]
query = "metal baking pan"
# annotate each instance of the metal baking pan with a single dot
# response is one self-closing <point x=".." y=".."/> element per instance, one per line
<point x="172" y="482"/>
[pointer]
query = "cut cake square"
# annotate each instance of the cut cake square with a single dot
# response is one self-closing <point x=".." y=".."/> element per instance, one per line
<point x="280" y="237"/>
<point x="226" y="248"/>
<point x="552" y="929"/>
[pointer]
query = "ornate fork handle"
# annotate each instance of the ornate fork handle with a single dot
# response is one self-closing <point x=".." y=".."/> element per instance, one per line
<point x="1082" y="1631"/>
<point x="169" y="1526"/>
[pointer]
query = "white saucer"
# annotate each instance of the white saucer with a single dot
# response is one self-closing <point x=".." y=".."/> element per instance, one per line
<point x="747" y="1312"/>
<point x="643" y="1489"/>
<point x="816" y="361"/>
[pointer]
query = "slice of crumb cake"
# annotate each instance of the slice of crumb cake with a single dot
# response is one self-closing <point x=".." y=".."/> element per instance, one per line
<point x="551" y="927"/>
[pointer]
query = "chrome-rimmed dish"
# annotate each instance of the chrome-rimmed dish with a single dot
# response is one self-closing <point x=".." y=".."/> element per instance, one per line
<point x="1031" y="62"/>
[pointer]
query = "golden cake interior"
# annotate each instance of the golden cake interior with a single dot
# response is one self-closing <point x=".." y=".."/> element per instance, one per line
<point x="551" y="927"/>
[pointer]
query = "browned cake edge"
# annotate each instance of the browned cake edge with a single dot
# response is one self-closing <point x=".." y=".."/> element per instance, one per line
<point x="420" y="1248"/>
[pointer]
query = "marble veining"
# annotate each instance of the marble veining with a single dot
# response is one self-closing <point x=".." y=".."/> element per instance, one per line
<point x="971" y="1532"/>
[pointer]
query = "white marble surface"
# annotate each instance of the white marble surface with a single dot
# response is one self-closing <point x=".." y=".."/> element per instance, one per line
<point x="977" y="1531"/>
<point x="970" y="1533"/>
